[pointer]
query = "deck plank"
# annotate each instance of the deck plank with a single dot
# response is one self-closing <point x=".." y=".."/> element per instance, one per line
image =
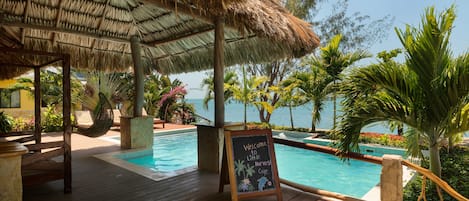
<point x="94" y="179"/>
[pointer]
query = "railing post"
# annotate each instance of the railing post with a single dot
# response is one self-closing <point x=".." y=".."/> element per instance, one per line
<point x="391" y="178"/>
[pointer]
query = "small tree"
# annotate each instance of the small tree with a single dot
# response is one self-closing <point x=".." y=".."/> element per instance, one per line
<point x="334" y="62"/>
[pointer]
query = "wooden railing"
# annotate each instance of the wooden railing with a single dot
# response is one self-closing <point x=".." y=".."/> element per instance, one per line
<point x="372" y="159"/>
<point x="439" y="182"/>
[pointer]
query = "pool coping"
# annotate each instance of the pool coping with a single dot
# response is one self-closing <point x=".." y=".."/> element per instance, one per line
<point x="148" y="173"/>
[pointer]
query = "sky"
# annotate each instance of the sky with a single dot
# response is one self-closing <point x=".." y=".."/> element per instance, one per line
<point x="404" y="11"/>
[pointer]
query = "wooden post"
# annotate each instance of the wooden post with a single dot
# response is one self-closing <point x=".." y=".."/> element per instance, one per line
<point x="138" y="75"/>
<point x="37" y="104"/>
<point x="67" y="125"/>
<point x="391" y="178"/>
<point x="218" y="72"/>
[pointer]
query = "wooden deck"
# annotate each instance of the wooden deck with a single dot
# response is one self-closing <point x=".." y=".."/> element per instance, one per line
<point x="94" y="179"/>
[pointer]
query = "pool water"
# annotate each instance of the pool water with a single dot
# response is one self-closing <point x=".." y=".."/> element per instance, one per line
<point x="355" y="178"/>
<point x="170" y="153"/>
<point x="324" y="171"/>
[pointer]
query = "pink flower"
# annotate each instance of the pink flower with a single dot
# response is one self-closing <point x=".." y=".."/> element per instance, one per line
<point x="176" y="91"/>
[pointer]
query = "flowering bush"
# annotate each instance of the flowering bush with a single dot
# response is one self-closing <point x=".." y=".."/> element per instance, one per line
<point x="23" y="124"/>
<point x="383" y="139"/>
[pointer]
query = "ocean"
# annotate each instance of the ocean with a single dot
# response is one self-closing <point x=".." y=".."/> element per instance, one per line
<point x="281" y="116"/>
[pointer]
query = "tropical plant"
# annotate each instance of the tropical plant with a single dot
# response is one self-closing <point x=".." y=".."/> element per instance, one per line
<point x="270" y="90"/>
<point x="155" y="87"/>
<point x="430" y="94"/>
<point x="51" y="87"/>
<point x="110" y="84"/>
<point x="291" y="97"/>
<point x="52" y="121"/>
<point x="169" y="99"/>
<point x="5" y="123"/>
<point x="247" y="93"/>
<point x="334" y="62"/>
<point x="230" y="78"/>
<point x="313" y="86"/>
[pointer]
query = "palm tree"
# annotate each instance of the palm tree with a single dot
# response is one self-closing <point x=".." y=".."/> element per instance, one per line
<point x="313" y="86"/>
<point x="291" y="96"/>
<point x="230" y="78"/>
<point x="334" y="61"/>
<point x="247" y="93"/>
<point x="430" y="94"/>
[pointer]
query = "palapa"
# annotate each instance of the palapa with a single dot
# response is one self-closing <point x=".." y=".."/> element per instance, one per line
<point x="177" y="36"/>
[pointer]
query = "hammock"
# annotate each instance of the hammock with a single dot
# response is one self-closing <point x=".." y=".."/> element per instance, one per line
<point x="102" y="119"/>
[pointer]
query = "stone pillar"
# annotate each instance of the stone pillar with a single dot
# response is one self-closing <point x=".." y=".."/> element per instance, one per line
<point x="391" y="178"/>
<point x="136" y="132"/>
<point x="210" y="140"/>
<point x="209" y="147"/>
<point x="11" y="187"/>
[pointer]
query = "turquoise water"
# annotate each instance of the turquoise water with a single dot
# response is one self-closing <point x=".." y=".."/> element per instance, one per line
<point x="170" y="153"/>
<point x="281" y="116"/>
<point x="324" y="171"/>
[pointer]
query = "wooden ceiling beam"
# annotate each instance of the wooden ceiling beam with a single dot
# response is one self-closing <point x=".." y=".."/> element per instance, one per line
<point x="182" y="36"/>
<point x="60" y="30"/>
<point x="57" y="21"/>
<point x="30" y="52"/>
<point x="100" y="23"/>
<point x="26" y="10"/>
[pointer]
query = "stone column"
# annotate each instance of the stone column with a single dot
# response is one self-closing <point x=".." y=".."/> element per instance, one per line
<point x="391" y="178"/>
<point x="11" y="187"/>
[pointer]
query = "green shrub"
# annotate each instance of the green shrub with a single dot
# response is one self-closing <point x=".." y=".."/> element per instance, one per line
<point x="5" y="123"/>
<point x="52" y="121"/>
<point x="22" y="124"/>
<point x="455" y="171"/>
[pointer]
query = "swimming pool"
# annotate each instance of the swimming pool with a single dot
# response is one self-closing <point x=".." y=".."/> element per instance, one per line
<point x="175" y="152"/>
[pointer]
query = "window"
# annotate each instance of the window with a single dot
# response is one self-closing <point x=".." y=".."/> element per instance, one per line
<point x="9" y="99"/>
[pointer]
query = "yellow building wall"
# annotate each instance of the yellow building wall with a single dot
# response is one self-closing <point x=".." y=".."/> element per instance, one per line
<point x="26" y="109"/>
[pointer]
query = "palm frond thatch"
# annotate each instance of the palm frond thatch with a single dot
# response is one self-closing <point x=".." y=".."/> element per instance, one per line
<point x="177" y="36"/>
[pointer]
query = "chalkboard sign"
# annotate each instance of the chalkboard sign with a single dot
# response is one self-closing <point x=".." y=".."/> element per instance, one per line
<point x="251" y="164"/>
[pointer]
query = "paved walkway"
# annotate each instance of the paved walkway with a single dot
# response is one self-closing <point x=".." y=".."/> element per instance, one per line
<point x="94" y="179"/>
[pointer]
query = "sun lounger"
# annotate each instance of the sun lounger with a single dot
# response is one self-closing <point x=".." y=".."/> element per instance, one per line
<point x="83" y="118"/>
<point x="117" y="117"/>
<point x="155" y="120"/>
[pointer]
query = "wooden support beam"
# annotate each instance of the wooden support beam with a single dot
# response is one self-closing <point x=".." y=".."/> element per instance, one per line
<point x="138" y="72"/>
<point x="37" y="105"/>
<point x="182" y="36"/>
<point x="218" y="72"/>
<point x="49" y="63"/>
<point x="67" y="105"/>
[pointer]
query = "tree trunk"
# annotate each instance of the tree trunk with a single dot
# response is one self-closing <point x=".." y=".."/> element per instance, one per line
<point x="400" y="130"/>
<point x="335" y="111"/>
<point x="313" y="124"/>
<point x="261" y="116"/>
<point x="291" y="116"/>
<point x="435" y="164"/>
<point x="245" y="116"/>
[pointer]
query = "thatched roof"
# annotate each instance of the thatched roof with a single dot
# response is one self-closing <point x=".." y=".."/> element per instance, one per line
<point x="176" y="37"/>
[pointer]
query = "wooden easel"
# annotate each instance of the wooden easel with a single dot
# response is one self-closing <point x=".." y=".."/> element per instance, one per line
<point x="263" y="138"/>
